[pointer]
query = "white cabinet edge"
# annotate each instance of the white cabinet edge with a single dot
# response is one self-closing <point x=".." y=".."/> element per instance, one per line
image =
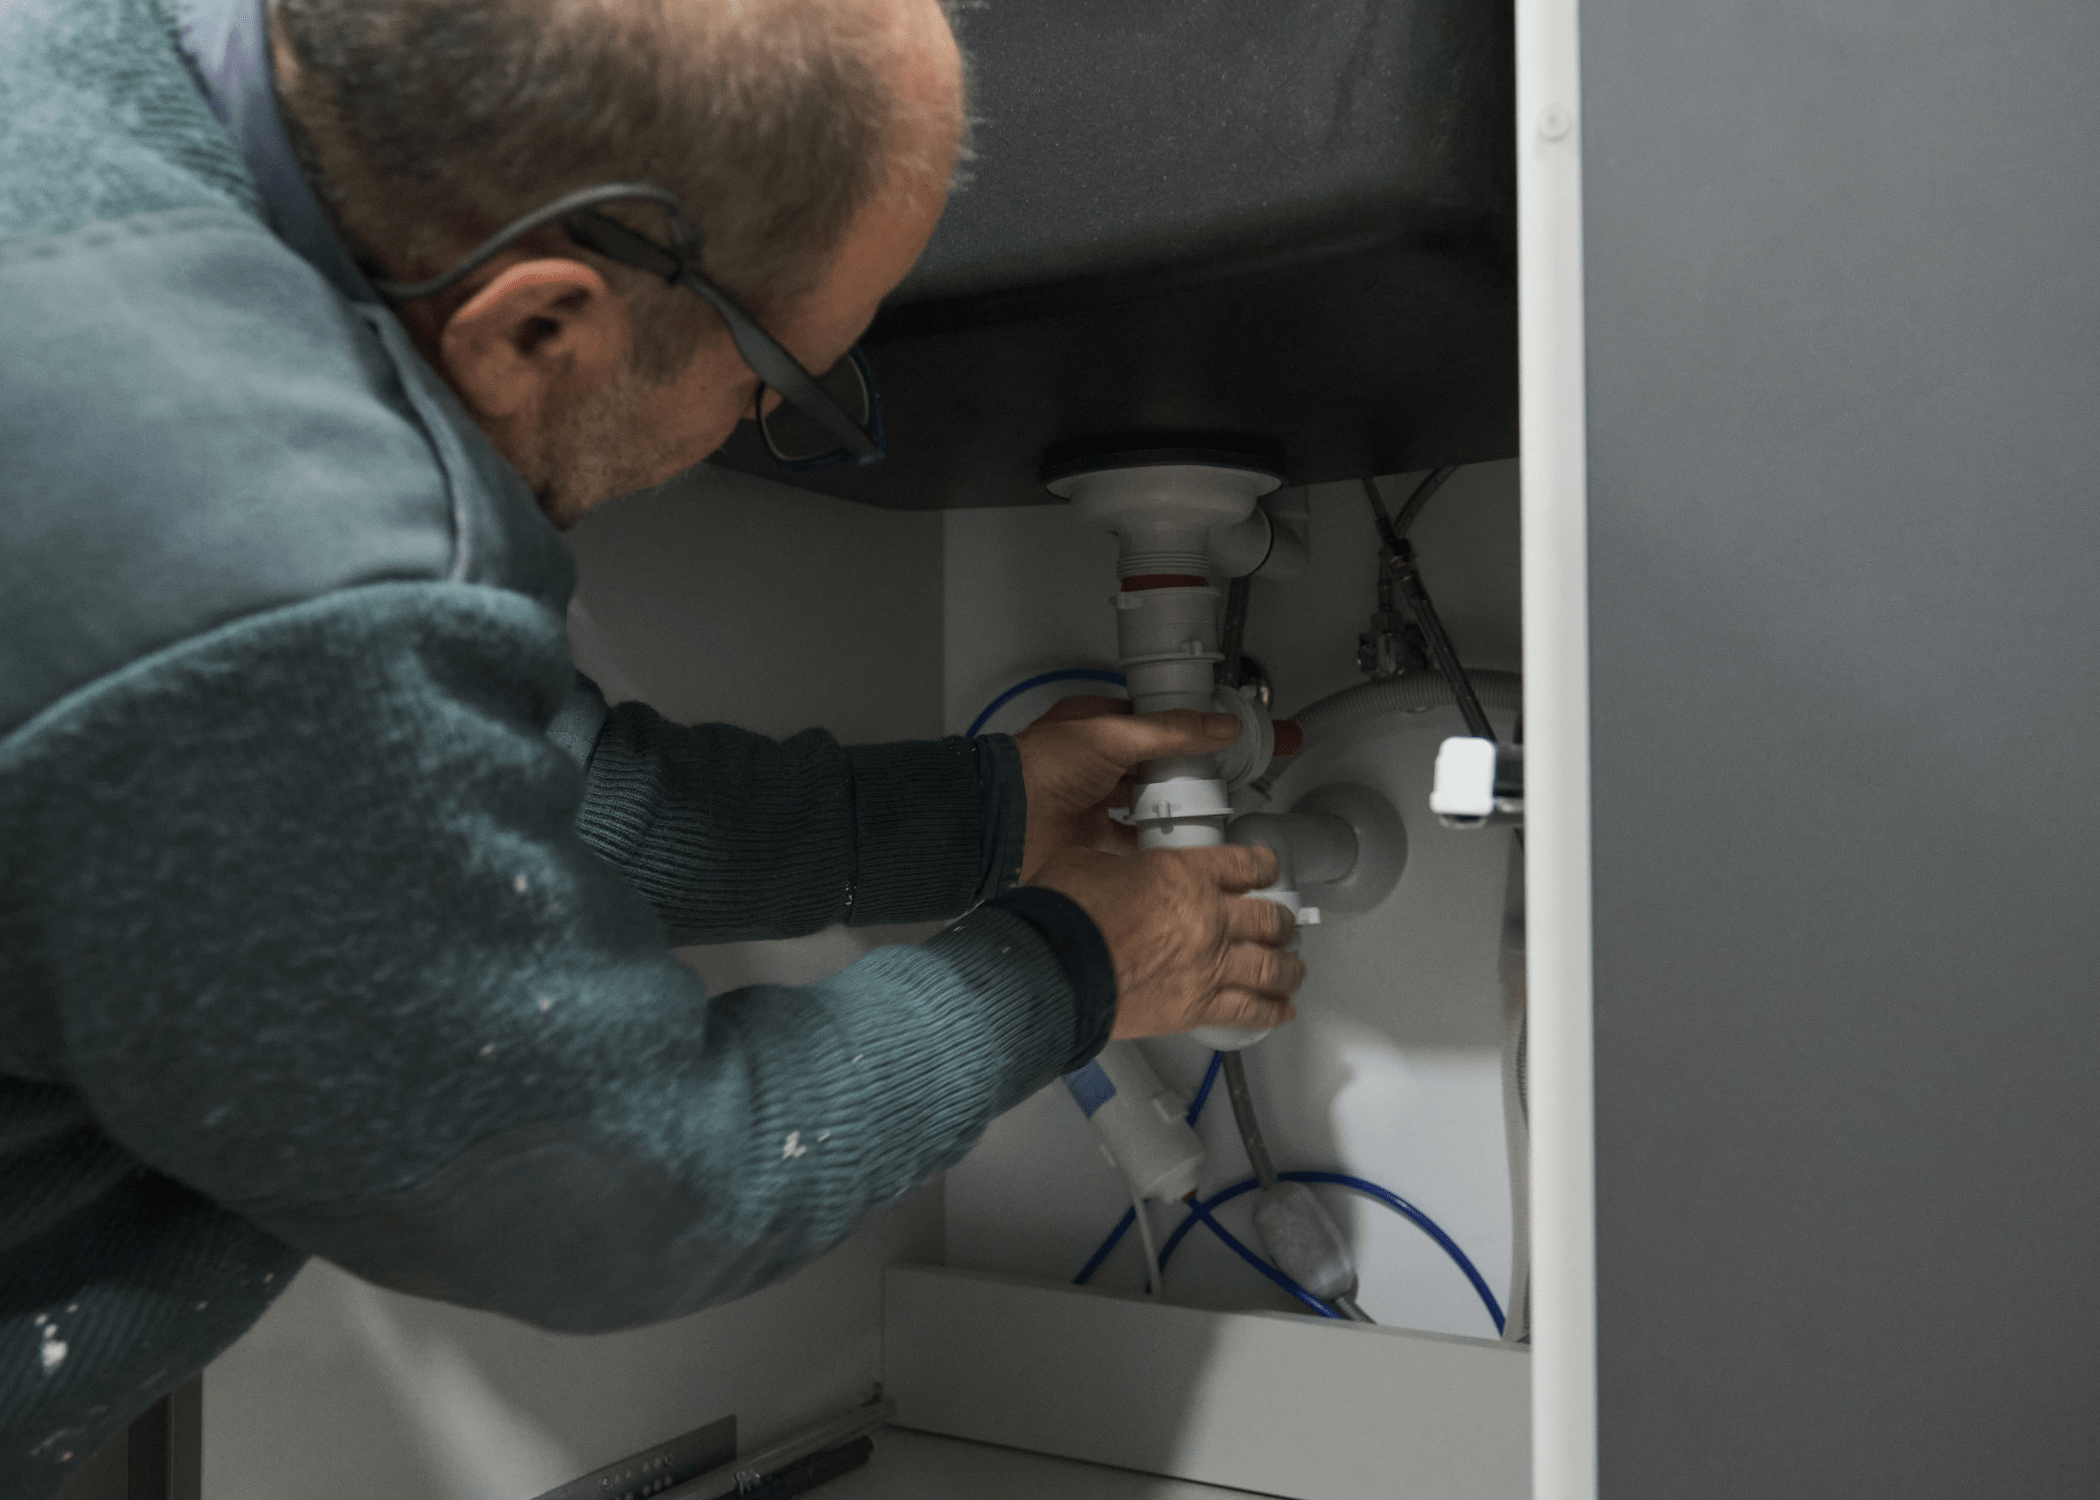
<point x="1270" y="1402"/>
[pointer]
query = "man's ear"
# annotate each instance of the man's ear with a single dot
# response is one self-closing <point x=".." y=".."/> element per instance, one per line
<point x="539" y="325"/>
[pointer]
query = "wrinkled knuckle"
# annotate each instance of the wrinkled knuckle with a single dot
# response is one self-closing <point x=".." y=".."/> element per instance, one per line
<point x="1263" y="924"/>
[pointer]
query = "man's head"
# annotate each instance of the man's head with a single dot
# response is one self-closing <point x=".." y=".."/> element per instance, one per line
<point x="812" y="142"/>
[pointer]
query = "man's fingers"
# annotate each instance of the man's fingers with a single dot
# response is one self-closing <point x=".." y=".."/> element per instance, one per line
<point x="1268" y="972"/>
<point x="1117" y="838"/>
<point x="1247" y="1011"/>
<point x="1235" y="867"/>
<point x="1182" y="731"/>
<point x="1253" y="920"/>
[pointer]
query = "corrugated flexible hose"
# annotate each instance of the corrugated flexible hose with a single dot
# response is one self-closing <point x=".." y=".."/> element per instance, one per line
<point x="1413" y="693"/>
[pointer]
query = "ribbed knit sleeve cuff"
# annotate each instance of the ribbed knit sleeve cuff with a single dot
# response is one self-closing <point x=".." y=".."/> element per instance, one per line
<point x="917" y="807"/>
<point x="1024" y="1012"/>
<point x="1081" y="953"/>
<point x="1003" y="821"/>
<point x="575" y="727"/>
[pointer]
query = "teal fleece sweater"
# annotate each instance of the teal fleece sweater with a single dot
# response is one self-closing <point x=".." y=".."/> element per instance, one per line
<point x="333" y="918"/>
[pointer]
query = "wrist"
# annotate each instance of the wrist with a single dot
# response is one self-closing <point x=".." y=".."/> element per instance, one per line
<point x="1003" y="800"/>
<point x="1082" y="952"/>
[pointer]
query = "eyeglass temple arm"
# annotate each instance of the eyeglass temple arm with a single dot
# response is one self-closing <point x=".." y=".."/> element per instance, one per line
<point x="761" y="351"/>
<point x="610" y="238"/>
<point x="561" y="208"/>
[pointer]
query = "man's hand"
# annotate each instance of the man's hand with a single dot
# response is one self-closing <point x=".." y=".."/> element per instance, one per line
<point x="1076" y="762"/>
<point x="1189" y="949"/>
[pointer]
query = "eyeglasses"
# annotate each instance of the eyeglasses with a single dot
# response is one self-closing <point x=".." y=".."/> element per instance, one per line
<point x="800" y="442"/>
<point x="820" y="421"/>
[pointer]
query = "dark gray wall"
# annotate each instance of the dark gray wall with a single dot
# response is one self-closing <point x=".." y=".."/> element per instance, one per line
<point x="1844" y="366"/>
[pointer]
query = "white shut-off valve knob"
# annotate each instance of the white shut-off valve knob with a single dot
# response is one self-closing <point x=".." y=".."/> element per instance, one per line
<point x="1465" y="779"/>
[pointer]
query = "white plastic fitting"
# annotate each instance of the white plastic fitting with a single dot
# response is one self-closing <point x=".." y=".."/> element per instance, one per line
<point x="1180" y="522"/>
<point x="1290" y="511"/>
<point x="1247" y="757"/>
<point x="1141" y="1125"/>
<point x="1270" y="543"/>
<point x="1164" y="513"/>
<point x="1167" y="516"/>
<point x="1341" y="846"/>
<point x="1310" y="849"/>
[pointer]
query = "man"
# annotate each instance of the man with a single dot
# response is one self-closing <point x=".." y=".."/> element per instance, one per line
<point x="334" y="912"/>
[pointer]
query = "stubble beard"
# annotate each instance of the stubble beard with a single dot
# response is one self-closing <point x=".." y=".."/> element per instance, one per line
<point x="600" y="447"/>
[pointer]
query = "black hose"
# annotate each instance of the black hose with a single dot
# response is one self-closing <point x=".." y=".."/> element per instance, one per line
<point x="1441" y="651"/>
<point x="1414" y="597"/>
<point x="1412" y="506"/>
<point x="1233" y="637"/>
<point x="1243" y="1116"/>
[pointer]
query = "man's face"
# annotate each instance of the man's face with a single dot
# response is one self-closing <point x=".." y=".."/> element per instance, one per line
<point x="612" y="435"/>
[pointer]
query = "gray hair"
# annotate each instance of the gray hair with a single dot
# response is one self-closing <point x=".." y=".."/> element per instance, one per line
<point x="434" y="122"/>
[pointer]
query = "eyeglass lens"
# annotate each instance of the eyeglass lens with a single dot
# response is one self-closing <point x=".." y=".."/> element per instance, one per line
<point x="794" y="435"/>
